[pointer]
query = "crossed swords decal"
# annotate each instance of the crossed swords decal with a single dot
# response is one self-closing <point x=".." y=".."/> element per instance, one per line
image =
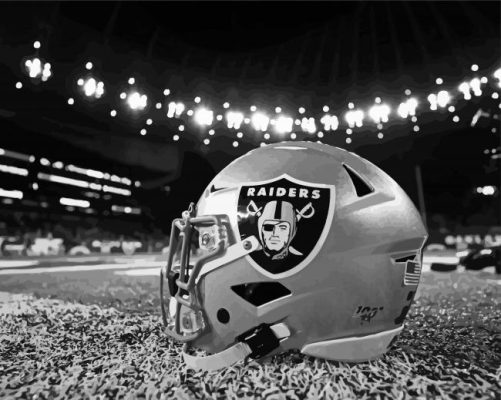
<point x="306" y="212"/>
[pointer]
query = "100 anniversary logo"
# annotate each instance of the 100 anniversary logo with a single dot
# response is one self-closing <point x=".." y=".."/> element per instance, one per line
<point x="291" y="219"/>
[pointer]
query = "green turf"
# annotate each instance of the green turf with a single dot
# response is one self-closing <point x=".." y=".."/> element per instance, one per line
<point x="53" y="348"/>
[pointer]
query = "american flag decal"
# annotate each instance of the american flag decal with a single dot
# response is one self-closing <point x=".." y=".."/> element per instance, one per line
<point x="412" y="273"/>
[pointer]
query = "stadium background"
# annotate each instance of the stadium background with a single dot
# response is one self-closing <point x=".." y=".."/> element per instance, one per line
<point x="89" y="174"/>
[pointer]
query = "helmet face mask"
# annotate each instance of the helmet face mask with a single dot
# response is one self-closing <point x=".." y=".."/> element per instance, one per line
<point x="183" y="316"/>
<point x="287" y="245"/>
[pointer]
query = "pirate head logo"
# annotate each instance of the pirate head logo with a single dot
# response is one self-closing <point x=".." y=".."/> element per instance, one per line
<point x="291" y="219"/>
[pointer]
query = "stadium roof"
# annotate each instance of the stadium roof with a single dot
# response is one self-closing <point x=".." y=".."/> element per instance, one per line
<point x="273" y="52"/>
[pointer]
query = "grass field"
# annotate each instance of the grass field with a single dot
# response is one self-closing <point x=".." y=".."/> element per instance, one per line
<point x="98" y="335"/>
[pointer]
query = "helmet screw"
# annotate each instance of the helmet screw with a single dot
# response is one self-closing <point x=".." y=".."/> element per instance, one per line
<point x="247" y="245"/>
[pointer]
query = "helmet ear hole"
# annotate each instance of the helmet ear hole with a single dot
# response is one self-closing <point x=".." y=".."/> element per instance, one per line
<point x="223" y="315"/>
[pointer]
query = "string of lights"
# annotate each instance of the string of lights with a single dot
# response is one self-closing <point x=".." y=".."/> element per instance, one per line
<point x="280" y="124"/>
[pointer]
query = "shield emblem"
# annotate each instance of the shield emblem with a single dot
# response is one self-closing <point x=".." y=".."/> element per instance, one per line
<point x="290" y="218"/>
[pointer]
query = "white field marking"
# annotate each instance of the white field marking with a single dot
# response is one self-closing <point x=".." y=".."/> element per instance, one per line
<point x="425" y="268"/>
<point x="440" y="259"/>
<point x="140" y="272"/>
<point x="17" y="263"/>
<point x="78" y="268"/>
<point x="135" y="260"/>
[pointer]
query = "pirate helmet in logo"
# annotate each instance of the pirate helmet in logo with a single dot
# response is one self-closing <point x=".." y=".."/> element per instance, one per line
<point x="277" y="227"/>
<point x="301" y="246"/>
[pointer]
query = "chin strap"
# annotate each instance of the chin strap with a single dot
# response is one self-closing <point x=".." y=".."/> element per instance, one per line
<point x="255" y="343"/>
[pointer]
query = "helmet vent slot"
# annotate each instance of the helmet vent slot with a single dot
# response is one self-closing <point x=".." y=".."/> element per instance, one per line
<point x="361" y="186"/>
<point x="259" y="293"/>
<point x="405" y="259"/>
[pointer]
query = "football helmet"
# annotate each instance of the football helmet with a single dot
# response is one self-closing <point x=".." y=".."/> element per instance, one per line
<point x="295" y="245"/>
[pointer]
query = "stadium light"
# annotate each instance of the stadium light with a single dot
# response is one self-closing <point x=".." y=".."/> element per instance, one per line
<point x="308" y="125"/>
<point x="137" y="101"/>
<point x="36" y="44"/>
<point x="226" y="105"/>
<point x="89" y="172"/>
<point x="36" y="68"/>
<point x="206" y="141"/>
<point x="474" y="67"/>
<point x="174" y="109"/>
<point x="354" y="118"/>
<point x="166" y="92"/>
<point x="432" y="98"/>
<point x="91" y="87"/>
<point x="203" y="116"/>
<point x="89" y="65"/>
<point x="260" y="121"/>
<point x="407" y="108"/>
<point x="234" y="119"/>
<point x="465" y="89"/>
<point x="487" y="190"/>
<point x="10" y="169"/>
<point x="13" y="194"/>
<point x="62" y="179"/>
<point x="475" y="84"/>
<point x="497" y="75"/>
<point x="19" y="85"/>
<point x="131" y="81"/>
<point x="278" y="110"/>
<point x="66" y="201"/>
<point x="379" y="113"/>
<point x="115" y="190"/>
<point x="16" y="155"/>
<point x="330" y="122"/>
<point x="443" y="98"/>
<point x="283" y="124"/>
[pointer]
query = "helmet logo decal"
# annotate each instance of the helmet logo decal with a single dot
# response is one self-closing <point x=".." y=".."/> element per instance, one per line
<point x="289" y="217"/>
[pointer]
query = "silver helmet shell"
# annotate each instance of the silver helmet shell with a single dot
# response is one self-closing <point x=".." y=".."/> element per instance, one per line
<point x="354" y="241"/>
